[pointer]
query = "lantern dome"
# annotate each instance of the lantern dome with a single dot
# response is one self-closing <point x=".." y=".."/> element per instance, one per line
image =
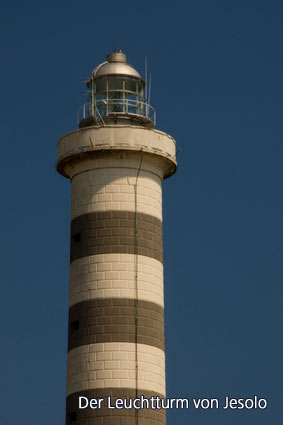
<point x="116" y="65"/>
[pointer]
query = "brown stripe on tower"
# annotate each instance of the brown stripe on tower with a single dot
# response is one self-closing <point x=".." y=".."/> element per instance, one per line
<point x="109" y="232"/>
<point x="116" y="320"/>
<point x="105" y="416"/>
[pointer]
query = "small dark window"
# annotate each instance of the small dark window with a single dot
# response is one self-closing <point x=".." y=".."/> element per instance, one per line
<point x="77" y="237"/>
<point x="75" y="325"/>
<point x="73" y="416"/>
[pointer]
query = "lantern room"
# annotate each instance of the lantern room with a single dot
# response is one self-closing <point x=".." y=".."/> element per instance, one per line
<point x="116" y="95"/>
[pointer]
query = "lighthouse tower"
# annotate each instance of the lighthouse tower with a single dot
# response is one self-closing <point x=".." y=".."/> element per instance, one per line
<point x="116" y="161"/>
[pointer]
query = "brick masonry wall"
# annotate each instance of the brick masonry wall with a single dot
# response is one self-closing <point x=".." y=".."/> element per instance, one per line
<point x="116" y="342"/>
<point x="113" y="365"/>
<point x="110" y="232"/>
<point x="105" y="416"/>
<point x="113" y="276"/>
<point x="113" y="189"/>
<point x="116" y="320"/>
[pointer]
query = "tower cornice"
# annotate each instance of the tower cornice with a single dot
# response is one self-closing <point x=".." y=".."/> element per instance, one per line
<point x="90" y="143"/>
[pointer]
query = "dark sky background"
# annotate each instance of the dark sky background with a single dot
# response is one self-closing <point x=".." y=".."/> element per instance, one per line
<point x="217" y="88"/>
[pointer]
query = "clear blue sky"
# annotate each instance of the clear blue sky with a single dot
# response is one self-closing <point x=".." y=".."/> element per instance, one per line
<point x="217" y="87"/>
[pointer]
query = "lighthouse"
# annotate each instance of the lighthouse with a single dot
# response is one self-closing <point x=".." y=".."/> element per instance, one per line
<point x="116" y="162"/>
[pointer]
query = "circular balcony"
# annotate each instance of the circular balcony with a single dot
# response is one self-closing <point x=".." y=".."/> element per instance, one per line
<point x="117" y="111"/>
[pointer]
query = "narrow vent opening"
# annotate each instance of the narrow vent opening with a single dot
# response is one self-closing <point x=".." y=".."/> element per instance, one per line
<point x="73" y="416"/>
<point x="77" y="237"/>
<point x="75" y="325"/>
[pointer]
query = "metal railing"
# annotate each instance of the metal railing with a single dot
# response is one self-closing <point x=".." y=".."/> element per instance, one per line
<point x="107" y="107"/>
